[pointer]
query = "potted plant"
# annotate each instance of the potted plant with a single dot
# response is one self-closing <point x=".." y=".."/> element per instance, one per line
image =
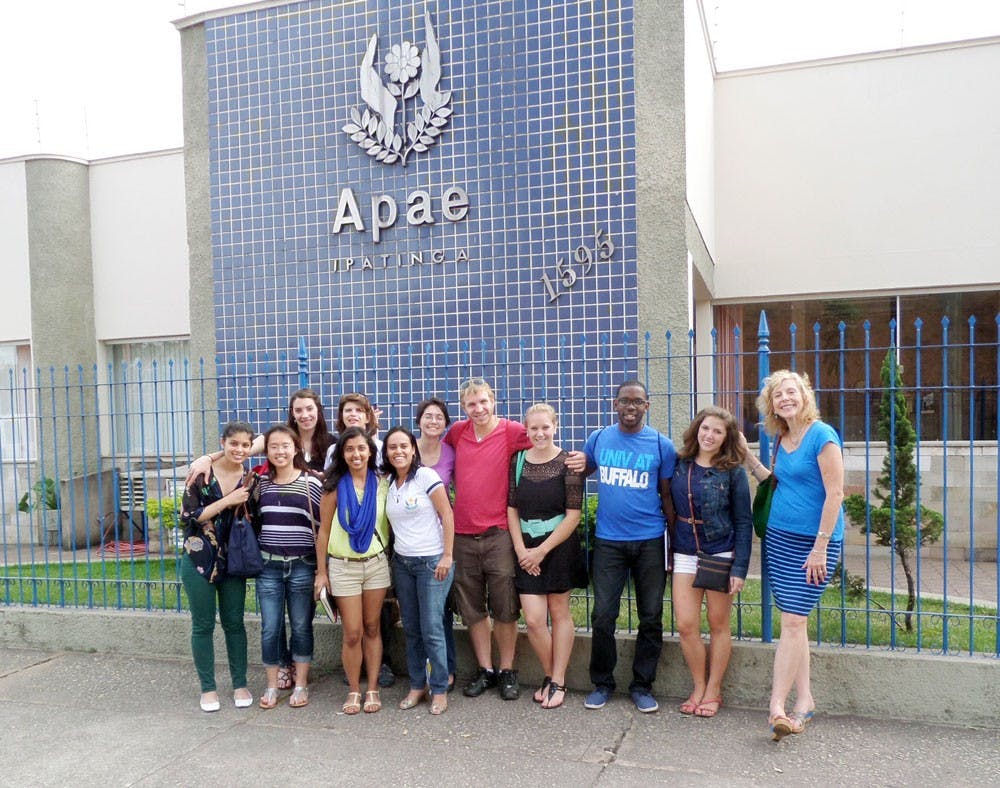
<point x="37" y="502"/>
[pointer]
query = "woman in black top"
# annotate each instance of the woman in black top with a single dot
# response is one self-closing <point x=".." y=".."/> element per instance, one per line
<point x="543" y="511"/>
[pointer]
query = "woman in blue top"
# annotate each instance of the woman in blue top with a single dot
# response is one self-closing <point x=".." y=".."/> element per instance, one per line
<point x="804" y="532"/>
<point x="711" y="498"/>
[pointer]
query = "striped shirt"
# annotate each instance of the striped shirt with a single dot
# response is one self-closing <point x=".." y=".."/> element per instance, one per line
<point x="289" y="515"/>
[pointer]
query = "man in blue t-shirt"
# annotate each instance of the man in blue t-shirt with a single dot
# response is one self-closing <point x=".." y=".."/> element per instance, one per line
<point x="634" y="464"/>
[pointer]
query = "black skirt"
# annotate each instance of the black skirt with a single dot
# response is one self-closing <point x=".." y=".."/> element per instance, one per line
<point x="564" y="569"/>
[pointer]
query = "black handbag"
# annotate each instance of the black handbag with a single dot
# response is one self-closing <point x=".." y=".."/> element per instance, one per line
<point x="243" y="558"/>
<point x="760" y="510"/>
<point x="712" y="573"/>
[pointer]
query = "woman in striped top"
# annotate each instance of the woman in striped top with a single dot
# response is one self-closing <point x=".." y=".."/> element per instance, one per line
<point x="288" y="510"/>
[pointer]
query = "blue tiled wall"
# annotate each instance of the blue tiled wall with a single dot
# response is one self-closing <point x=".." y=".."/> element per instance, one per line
<point x="542" y="139"/>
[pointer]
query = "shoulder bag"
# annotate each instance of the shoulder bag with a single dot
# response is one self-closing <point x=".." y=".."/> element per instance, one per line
<point x="243" y="558"/>
<point x="760" y="510"/>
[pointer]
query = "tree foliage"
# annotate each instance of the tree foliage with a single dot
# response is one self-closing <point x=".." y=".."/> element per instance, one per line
<point x="892" y="518"/>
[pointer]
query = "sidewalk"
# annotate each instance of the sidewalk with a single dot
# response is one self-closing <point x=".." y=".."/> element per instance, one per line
<point x="93" y="719"/>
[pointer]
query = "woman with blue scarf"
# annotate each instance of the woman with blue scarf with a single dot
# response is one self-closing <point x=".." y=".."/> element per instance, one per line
<point x="352" y="562"/>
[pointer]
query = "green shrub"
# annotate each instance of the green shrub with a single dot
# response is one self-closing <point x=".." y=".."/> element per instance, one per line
<point x="166" y="510"/>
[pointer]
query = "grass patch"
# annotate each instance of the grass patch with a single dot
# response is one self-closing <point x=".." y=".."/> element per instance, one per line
<point x="841" y="618"/>
<point x="138" y="584"/>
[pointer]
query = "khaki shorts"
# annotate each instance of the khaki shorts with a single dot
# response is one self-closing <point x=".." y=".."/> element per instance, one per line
<point x="484" y="577"/>
<point x="350" y="578"/>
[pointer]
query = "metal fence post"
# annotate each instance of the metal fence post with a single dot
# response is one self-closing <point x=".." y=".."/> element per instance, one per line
<point x="303" y="364"/>
<point x="763" y="370"/>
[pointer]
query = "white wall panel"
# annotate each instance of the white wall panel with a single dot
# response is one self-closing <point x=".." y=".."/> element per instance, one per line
<point x="139" y="241"/>
<point x="859" y="175"/>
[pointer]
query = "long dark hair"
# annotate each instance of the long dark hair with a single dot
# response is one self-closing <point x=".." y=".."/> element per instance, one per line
<point x="298" y="461"/>
<point x="321" y="438"/>
<point x="729" y="455"/>
<point x="387" y="467"/>
<point x="337" y="468"/>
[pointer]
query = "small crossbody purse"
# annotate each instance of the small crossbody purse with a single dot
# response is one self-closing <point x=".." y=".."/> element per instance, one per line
<point x="712" y="572"/>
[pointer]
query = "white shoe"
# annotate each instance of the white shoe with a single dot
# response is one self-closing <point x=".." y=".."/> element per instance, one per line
<point x="243" y="703"/>
<point x="210" y="705"/>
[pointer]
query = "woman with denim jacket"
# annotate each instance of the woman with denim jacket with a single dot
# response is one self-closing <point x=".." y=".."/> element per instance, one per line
<point x="711" y="499"/>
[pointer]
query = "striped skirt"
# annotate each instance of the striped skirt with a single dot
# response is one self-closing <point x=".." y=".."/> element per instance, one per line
<point x="786" y="553"/>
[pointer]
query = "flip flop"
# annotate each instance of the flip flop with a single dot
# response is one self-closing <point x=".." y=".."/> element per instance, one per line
<point x="702" y="711"/>
<point x="300" y="697"/>
<point x="688" y="707"/>
<point x="286" y="678"/>
<point x="269" y="699"/>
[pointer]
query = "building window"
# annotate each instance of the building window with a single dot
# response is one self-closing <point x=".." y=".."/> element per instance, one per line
<point x="949" y="367"/>
<point x="150" y="402"/>
<point x="17" y="404"/>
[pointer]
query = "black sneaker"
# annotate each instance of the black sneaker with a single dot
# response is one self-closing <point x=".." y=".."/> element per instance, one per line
<point x="484" y="680"/>
<point x="509" y="688"/>
<point x="386" y="678"/>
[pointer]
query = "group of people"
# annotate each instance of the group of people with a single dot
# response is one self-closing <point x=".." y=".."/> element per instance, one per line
<point x="345" y="515"/>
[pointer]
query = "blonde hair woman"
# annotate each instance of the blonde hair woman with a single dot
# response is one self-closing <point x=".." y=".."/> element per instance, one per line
<point x="804" y="532"/>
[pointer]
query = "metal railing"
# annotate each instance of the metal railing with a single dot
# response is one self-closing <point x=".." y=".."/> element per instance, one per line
<point x="114" y="443"/>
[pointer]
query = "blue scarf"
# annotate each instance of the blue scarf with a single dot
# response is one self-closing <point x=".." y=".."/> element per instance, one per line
<point x="357" y="519"/>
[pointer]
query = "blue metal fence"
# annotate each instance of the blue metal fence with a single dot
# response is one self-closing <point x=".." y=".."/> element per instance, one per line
<point x="115" y="441"/>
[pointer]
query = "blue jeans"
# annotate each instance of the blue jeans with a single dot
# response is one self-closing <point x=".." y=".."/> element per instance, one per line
<point x="613" y="561"/>
<point x="286" y="584"/>
<point x="421" y="606"/>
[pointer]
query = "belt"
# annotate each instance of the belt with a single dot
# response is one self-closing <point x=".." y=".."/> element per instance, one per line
<point x="689" y="520"/>
<point x="283" y="558"/>
<point x="488" y="532"/>
<point x="358" y="560"/>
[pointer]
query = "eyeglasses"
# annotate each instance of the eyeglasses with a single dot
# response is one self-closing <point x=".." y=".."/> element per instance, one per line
<point x="432" y="417"/>
<point x="472" y="382"/>
<point x="635" y="403"/>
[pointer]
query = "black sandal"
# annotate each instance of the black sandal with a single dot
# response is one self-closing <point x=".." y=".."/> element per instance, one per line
<point x="542" y="690"/>
<point x="553" y="689"/>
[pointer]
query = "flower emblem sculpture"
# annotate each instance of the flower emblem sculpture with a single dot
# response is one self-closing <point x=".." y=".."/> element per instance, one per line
<point x="410" y="72"/>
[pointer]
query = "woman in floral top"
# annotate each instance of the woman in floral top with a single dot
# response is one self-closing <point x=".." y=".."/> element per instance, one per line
<point x="207" y="514"/>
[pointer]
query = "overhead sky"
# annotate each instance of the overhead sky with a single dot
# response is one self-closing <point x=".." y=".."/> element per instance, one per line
<point x="102" y="78"/>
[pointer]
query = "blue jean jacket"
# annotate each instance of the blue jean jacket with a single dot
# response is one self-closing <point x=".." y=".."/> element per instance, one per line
<point x="725" y="509"/>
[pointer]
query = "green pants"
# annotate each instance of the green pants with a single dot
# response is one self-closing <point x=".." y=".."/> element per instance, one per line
<point x="231" y="594"/>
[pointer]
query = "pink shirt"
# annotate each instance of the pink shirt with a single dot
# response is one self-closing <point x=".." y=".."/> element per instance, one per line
<point x="481" y="473"/>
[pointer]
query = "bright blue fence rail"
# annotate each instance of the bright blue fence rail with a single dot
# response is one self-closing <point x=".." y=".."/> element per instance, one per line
<point x="112" y="443"/>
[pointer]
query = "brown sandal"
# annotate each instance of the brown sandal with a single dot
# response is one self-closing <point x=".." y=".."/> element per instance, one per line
<point x="783" y="725"/>
<point x="286" y="677"/>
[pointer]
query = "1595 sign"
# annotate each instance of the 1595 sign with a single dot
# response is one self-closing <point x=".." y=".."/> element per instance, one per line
<point x="566" y="275"/>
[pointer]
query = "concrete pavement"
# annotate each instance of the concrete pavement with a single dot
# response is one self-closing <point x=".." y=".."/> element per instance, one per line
<point x="109" y="719"/>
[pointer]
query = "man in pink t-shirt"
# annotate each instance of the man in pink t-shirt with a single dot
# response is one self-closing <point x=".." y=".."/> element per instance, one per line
<point x="484" y="553"/>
